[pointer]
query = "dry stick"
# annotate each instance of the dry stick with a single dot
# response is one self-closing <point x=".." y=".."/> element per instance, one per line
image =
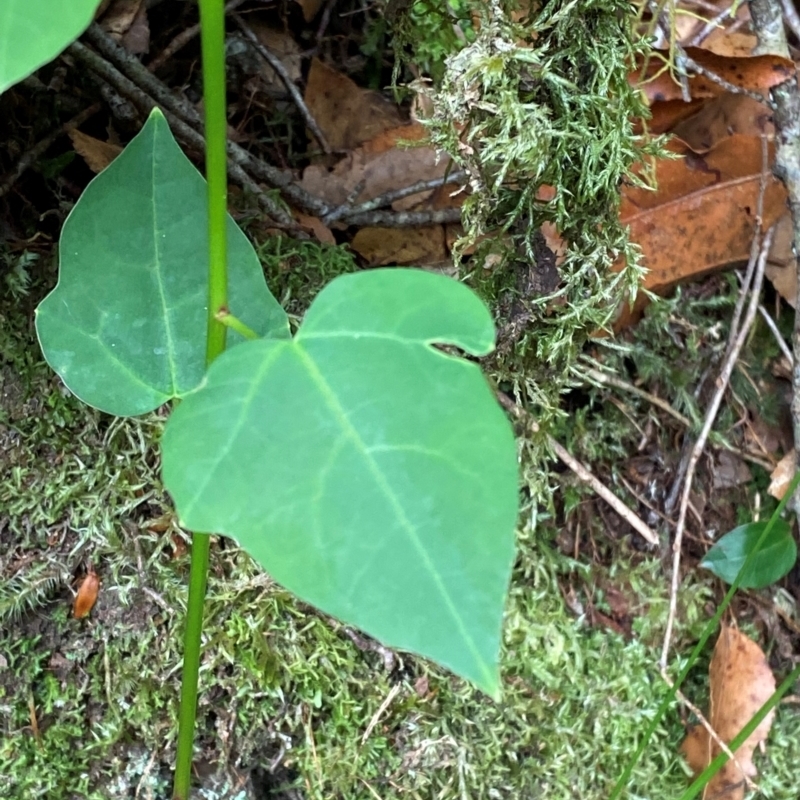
<point x="672" y="496"/>
<point x="612" y="380"/>
<point x="777" y="334"/>
<point x="347" y="209"/>
<point x="185" y="132"/>
<point x="791" y="16"/>
<point x="283" y="74"/>
<point x="699" y="445"/>
<point x="29" y="158"/>
<point x="689" y="63"/>
<point x="582" y="472"/>
<point x="148" y="83"/>
<point x="767" y="17"/>
<point x="406" y="219"/>
<point x="183" y="38"/>
<point x="710" y="27"/>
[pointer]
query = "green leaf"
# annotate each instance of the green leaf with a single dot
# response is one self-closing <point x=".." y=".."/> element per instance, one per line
<point x="370" y="473"/>
<point x="33" y="32"/>
<point x="126" y="326"/>
<point x="774" y="559"/>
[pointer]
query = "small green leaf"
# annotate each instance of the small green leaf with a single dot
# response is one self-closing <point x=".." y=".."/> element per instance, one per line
<point x="33" y="32"/>
<point x="126" y="326"/>
<point x="368" y="472"/>
<point x="774" y="559"/>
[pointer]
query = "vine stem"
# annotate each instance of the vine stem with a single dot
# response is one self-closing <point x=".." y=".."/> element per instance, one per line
<point x="212" y="38"/>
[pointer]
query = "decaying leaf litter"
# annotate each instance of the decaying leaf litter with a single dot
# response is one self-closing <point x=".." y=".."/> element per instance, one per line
<point x="587" y="590"/>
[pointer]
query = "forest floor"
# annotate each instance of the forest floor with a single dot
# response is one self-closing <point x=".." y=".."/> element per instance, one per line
<point x="293" y="704"/>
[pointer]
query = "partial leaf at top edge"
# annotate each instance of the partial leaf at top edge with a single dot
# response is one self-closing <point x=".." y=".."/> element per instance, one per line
<point x="125" y="327"/>
<point x="33" y="32"/>
<point x="773" y="560"/>
<point x="370" y="473"/>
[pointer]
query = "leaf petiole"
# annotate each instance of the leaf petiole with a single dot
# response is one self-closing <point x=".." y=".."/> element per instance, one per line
<point x="235" y="324"/>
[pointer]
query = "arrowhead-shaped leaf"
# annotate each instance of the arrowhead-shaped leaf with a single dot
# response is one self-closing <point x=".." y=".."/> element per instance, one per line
<point x="774" y="559"/>
<point x="33" y="32"/>
<point x="125" y="327"/>
<point x="370" y="473"/>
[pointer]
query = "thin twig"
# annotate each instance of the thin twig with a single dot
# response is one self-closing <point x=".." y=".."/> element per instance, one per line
<point x="581" y="471"/>
<point x="149" y="84"/>
<point x="791" y="16"/>
<point x="283" y="74"/>
<point x="182" y="130"/>
<point x="714" y="23"/>
<point x="387" y="701"/>
<point x="406" y="219"/>
<point x="29" y="158"/>
<point x="777" y="334"/>
<point x="711" y="732"/>
<point x="738" y="337"/>
<point x="183" y="38"/>
<point x="689" y="63"/>
<point x="347" y="210"/>
<point x="612" y="380"/>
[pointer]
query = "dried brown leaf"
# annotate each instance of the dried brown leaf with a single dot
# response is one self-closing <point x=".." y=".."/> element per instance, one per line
<point x="97" y="154"/>
<point x="310" y="8"/>
<point x="721" y="117"/>
<point x="283" y="46"/>
<point x="379" y="166"/>
<point x="781" y="267"/>
<point x="782" y="475"/>
<point x="702" y="216"/>
<point x="421" y="246"/>
<point x="120" y="17"/>
<point x="87" y="595"/>
<point x="346" y="114"/>
<point x="740" y="683"/>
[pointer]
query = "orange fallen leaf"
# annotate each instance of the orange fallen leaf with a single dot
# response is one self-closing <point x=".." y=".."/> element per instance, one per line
<point x="321" y="232"/>
<point x="310" y="8"/>
<point x="721" y="117"/>
<point x="703" y="214"/>
<point x="347" y="114"/>
<point x="782" y="475"/>
<point x="421" y="246"/>
<point x="97" y="154"/>
<point x="757" y="73"/>
<point x="782" y="265"/>
<point x="87" y="595"/>
<point x="740" y="683"/>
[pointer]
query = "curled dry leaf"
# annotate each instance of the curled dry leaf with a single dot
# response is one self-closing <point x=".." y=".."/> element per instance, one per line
<point x="87" y="595"/>
<point x="782" y="475"/>
<point x="740" y="683"/>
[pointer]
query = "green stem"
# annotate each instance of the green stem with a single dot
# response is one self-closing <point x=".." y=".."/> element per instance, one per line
<point x="212" y="21"/>
<point x="710" y="627"/>
<point x="212" y="36"/>
<point x="191" y="665"/>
